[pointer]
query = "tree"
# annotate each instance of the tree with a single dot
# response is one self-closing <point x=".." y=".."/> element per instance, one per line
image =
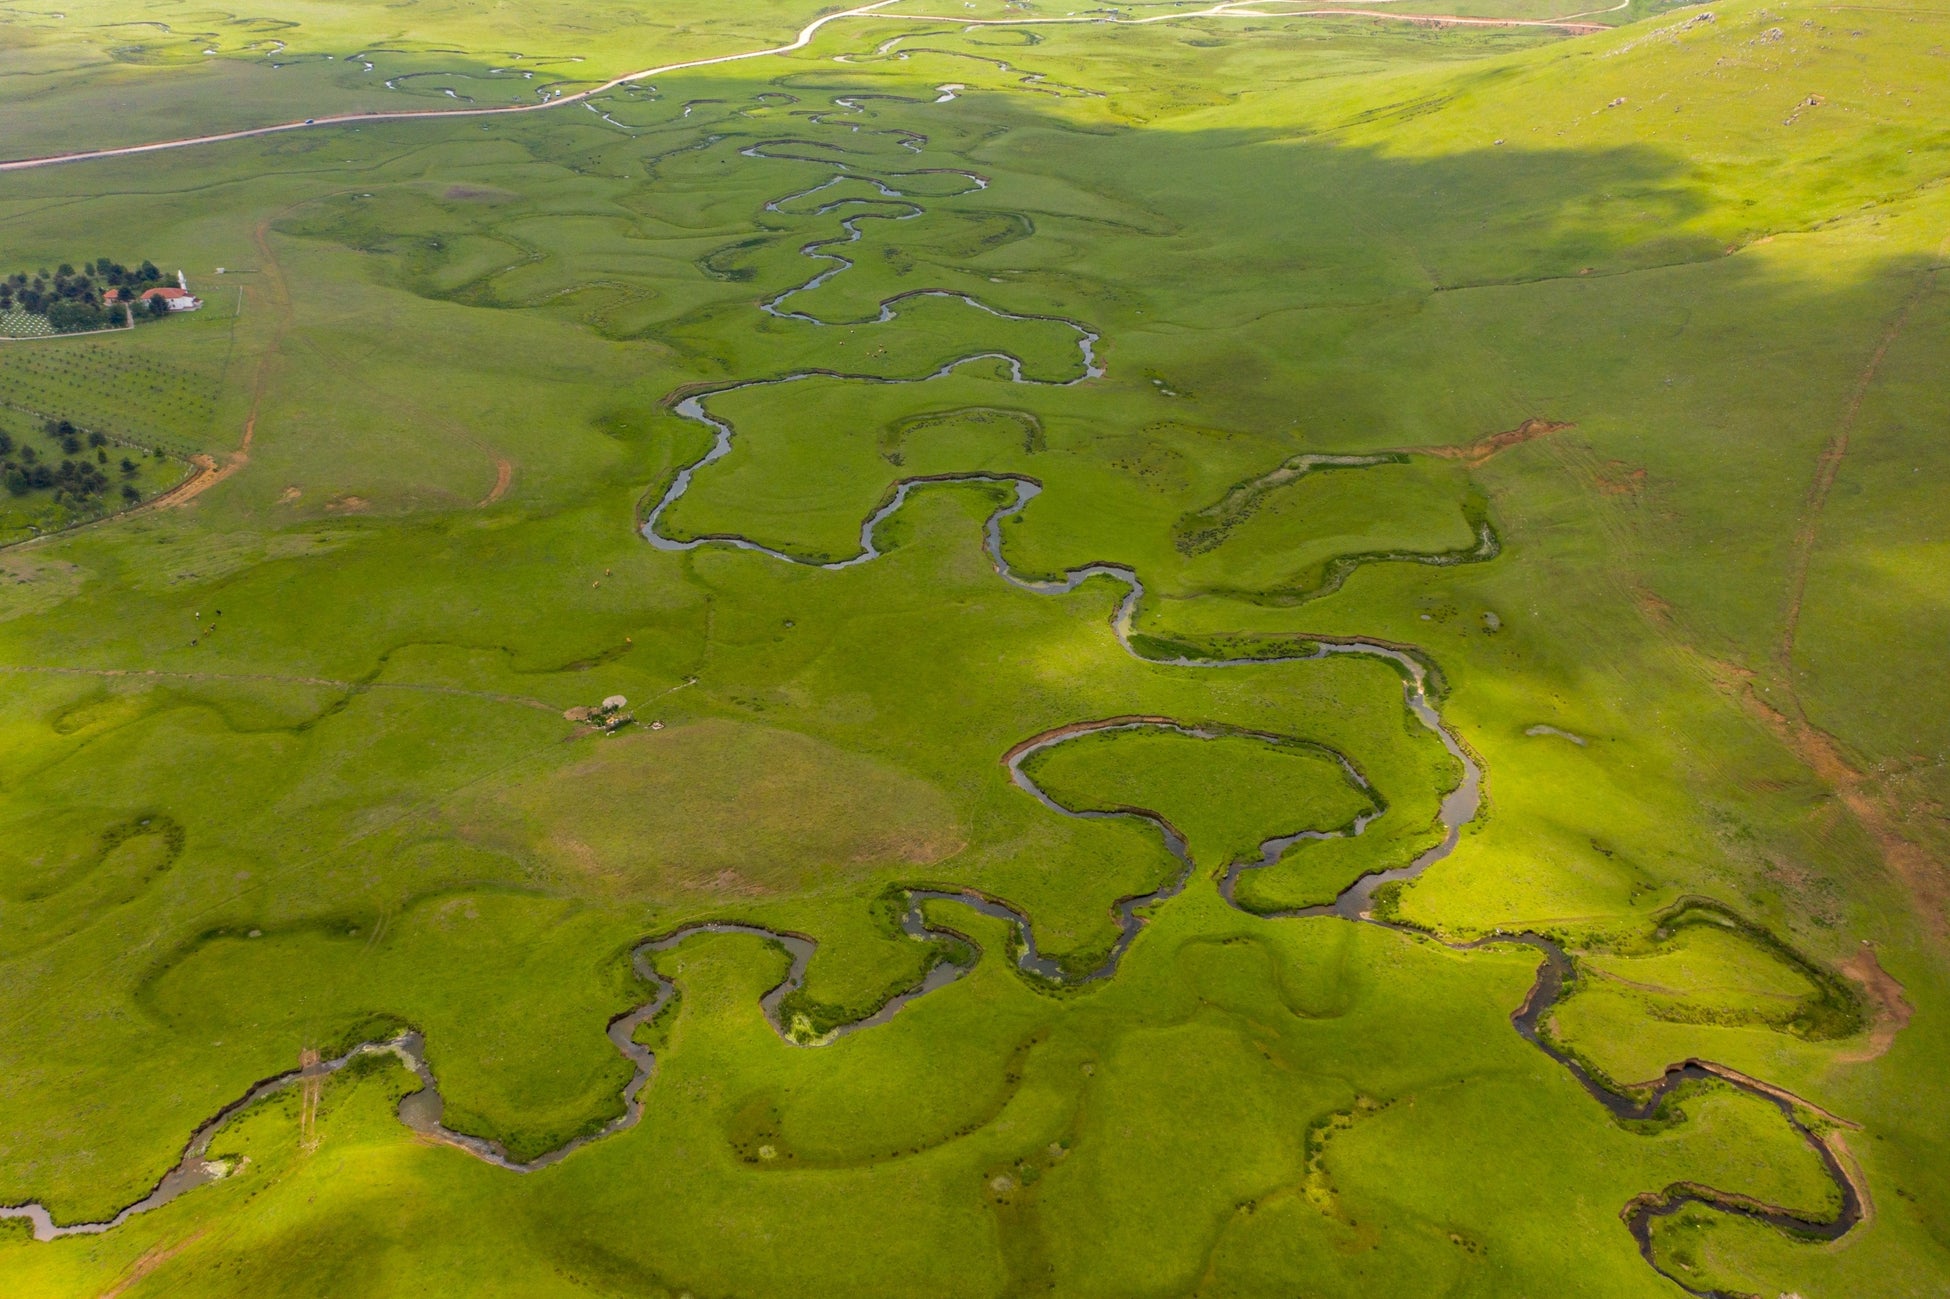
<point x="130" y="494"/>
<point x="158" y="307"/>
<point x="69" y="317"/>
<point x="128" y="465"/>
<point x="6" y="443"/>
<point x="98" y="439"/>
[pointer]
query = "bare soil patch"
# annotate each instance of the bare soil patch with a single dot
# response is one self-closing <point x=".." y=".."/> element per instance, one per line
<point x="504" y="474"/>
<point x="1475" y="453"/>
<point x="1926" y="879"/>
<point x="1892" y="1010"/>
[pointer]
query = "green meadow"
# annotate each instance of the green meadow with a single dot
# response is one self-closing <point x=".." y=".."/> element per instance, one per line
<point x="829" y="407"/>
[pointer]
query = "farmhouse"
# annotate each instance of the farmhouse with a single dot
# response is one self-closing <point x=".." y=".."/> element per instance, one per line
<point x="177" y="299"/>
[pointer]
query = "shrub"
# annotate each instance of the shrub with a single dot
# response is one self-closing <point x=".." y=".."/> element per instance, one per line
<point x="69" y="316"/>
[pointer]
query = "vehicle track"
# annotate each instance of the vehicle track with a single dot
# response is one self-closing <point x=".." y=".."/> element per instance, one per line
<point x="329" y="683"/>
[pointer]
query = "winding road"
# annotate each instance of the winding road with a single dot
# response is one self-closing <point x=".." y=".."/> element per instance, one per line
<point x="1233" y="9"/>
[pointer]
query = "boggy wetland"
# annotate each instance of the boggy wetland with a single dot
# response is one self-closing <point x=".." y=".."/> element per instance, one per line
<point x="1179" y="650"/>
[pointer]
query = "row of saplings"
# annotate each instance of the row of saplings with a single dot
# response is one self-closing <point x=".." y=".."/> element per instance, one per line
<point x="78" y="300"/>
<point x="78" y="479"/>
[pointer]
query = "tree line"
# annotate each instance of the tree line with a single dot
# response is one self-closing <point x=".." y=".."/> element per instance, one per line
<point x="78" y="478"/>
<point x="78" y="300"/>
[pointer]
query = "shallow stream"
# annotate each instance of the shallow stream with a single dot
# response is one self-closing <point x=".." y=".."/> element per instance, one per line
<point x="422" y="1110"/>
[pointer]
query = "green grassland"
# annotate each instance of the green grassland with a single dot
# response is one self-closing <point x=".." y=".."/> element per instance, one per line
<point x="1226" y="794"/>
<point x="287" y="768"/>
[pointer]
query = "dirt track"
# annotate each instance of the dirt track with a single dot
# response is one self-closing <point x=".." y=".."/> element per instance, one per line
<point x="1885" y="996"/>
<point x="1872" y="806"/>
<point x="504" y="475"/>
<point x="1475" y="453"/>
<point x="1827" y="466"/>
<point x="329" y="683"/>
<point x="209" y="472"/>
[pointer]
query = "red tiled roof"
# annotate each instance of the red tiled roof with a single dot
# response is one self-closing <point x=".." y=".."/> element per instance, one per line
<point x="164" y="293"/>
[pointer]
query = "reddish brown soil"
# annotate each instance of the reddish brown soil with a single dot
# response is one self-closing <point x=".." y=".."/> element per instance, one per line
<point x="504" y="474"/>
<point x="209" y="473"/>
<point x="1475" y="453"/>
<point x="1892" y="1010"/>
<point x="1867" y="801"/>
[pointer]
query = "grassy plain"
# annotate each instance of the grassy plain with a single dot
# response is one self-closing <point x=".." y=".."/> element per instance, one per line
<point x="1226" y="795"/>
<point x="1706" y="253"/>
